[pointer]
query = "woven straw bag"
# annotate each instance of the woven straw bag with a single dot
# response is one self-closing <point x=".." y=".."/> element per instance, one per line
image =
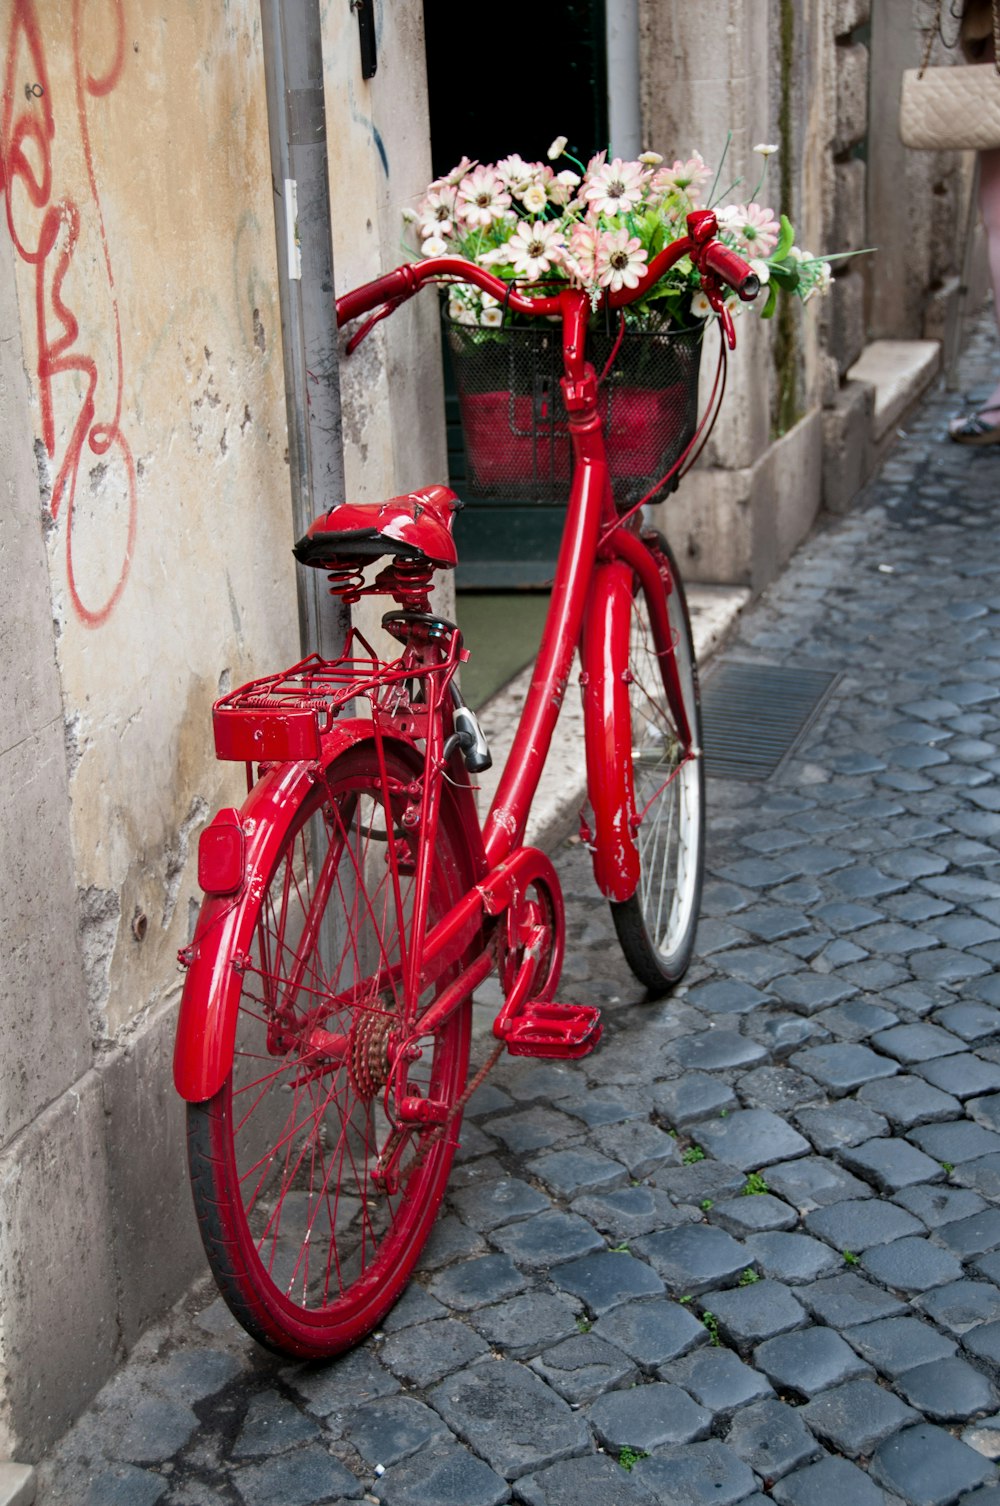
<point x="952" y="108"/>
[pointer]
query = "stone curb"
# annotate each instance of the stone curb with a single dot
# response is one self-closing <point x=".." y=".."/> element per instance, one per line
<point x="17" y="1484"/>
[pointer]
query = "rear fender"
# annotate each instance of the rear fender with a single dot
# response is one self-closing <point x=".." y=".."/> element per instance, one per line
<point x="206" y="1027"/>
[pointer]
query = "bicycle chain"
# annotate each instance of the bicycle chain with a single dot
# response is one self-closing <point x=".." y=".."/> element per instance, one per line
<point x="439" y="1130"/>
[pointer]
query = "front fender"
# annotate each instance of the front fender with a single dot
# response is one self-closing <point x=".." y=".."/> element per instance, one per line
<point x="608" y="723"/>
<point x="206" y="1026"/>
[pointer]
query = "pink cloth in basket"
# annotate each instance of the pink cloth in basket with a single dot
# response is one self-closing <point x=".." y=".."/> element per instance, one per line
<point x="648" y="429"/>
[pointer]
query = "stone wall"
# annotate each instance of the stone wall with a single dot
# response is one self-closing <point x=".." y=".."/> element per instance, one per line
<point x="760" y="70"/>
<point x="820" y="78"/>
<point x="144" y="565"/>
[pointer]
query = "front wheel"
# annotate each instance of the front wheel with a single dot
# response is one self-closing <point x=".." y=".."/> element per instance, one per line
<point x="656" y="926"/>
<point x="309" y="1240"/>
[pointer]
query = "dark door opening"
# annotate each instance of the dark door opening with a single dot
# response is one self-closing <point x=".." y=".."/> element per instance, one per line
<point x="503" y="81"/>
<point x="512" y="79"/>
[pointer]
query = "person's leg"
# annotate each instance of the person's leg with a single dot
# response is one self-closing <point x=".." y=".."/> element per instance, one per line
<point x="980" y="426"/>
<point x="989" y="208"/>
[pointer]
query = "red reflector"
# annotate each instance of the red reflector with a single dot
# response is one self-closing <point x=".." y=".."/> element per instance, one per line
<point x="220" y="854"/>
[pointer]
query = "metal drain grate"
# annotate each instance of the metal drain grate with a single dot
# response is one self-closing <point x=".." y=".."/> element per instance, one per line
<point x="753" y="715"/>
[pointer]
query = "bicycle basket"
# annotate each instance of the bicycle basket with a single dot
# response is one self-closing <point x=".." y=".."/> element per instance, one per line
<point x="514" y="424"/>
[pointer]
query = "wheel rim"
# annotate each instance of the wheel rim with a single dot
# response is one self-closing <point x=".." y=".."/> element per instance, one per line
<point x="320" y="1022"/>
<point x="667" y="785"/>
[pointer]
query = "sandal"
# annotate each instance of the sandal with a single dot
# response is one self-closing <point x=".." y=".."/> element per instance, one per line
<point x="975" y="428"/>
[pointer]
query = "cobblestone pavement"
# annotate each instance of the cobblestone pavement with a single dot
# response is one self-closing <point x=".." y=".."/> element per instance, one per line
<point x="750" y="1250"/>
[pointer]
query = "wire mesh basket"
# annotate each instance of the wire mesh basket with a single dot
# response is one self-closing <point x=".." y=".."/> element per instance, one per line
<point x="515" y="427"/>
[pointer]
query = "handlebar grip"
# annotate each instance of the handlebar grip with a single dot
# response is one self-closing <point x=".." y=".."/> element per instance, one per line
<point x="732" y="270"/>
<point x="394" y="286"/>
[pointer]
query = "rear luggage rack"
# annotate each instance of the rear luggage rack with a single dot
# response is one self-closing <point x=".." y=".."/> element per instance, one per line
<point x="284" y="716"/>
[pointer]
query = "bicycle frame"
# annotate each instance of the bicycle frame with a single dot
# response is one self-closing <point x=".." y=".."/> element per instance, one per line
<point x="596" y="555"/>
<point x="600" y="558"/>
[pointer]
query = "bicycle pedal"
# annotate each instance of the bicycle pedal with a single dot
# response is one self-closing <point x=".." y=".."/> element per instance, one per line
<point x="564" y="1031"/>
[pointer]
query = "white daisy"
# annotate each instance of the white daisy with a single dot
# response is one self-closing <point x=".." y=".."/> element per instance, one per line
<point x="482" y="198"/>
<point x="614" y="187"/>
<point x="534" y="198"/>
<point x="621" y="260"/>
<point x="534" y="248"/>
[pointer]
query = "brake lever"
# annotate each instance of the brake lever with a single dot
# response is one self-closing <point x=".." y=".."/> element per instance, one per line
<point x="369" y="324"/>
<point x="712" y="289"/>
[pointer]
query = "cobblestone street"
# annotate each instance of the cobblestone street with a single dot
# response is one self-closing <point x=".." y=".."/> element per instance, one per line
<point x="749" y="1251"/>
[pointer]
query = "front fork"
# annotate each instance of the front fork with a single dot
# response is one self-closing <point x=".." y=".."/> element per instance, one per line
<point x="605" y="684"/>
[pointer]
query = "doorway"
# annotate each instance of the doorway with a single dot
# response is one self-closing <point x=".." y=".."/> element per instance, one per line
<point x="502" y="82"/>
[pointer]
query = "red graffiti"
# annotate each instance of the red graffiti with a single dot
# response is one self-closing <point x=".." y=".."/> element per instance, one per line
<point x="45" y="233"/>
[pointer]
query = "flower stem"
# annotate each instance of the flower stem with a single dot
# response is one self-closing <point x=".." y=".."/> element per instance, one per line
<point x="718" y="170"/>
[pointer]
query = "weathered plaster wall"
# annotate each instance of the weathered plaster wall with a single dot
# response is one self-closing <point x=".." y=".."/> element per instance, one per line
<point x="141" y="252"/>
<point x="145" y="563"/>
<point x="380" y="163"/>
<point x="46" y="1036"/>
<point x="141" y="214"/>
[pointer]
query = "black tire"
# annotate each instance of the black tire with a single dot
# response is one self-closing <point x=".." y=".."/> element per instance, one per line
<point x="657" y="926"/>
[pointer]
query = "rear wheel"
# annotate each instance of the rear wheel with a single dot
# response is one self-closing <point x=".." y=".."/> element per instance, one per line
<point x="656" y="926"/>
<point x="308" y="1238"/>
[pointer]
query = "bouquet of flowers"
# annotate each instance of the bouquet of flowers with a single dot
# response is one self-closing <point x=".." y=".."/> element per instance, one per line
<point x="597" y="227"/>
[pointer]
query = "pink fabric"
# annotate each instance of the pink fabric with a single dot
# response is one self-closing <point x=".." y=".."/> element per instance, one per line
<point x="645" y="425"/>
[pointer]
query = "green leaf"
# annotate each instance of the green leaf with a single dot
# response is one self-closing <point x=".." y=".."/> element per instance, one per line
<point x="786" y="278"/>
<point x="786" y="239"/>
<point x="771" y="302"/>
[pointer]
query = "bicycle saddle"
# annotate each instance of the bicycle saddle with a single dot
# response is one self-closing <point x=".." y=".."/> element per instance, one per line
<point x="416" y="526"/>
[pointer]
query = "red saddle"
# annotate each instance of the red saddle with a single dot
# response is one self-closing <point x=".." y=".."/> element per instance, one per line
<point x="417" y="526"/>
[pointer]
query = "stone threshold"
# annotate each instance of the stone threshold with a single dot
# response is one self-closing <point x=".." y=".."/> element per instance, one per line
<point x="17" y="1484"/>
<point x="900" y="371"/>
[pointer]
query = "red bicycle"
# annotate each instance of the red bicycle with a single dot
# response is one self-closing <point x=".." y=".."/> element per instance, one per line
<point x="353" y="904"/>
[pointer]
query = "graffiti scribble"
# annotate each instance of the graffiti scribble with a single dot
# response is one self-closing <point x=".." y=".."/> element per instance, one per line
<point x="45" y="231"/>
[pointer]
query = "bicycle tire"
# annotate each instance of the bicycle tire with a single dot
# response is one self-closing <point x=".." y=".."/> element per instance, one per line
<point x="656" y="927"/>
<point x="307" y="1251"/>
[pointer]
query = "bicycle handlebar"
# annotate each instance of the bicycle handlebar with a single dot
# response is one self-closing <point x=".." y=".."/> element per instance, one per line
<point x="731" y="269"/>
<point x="386" y="293"/>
